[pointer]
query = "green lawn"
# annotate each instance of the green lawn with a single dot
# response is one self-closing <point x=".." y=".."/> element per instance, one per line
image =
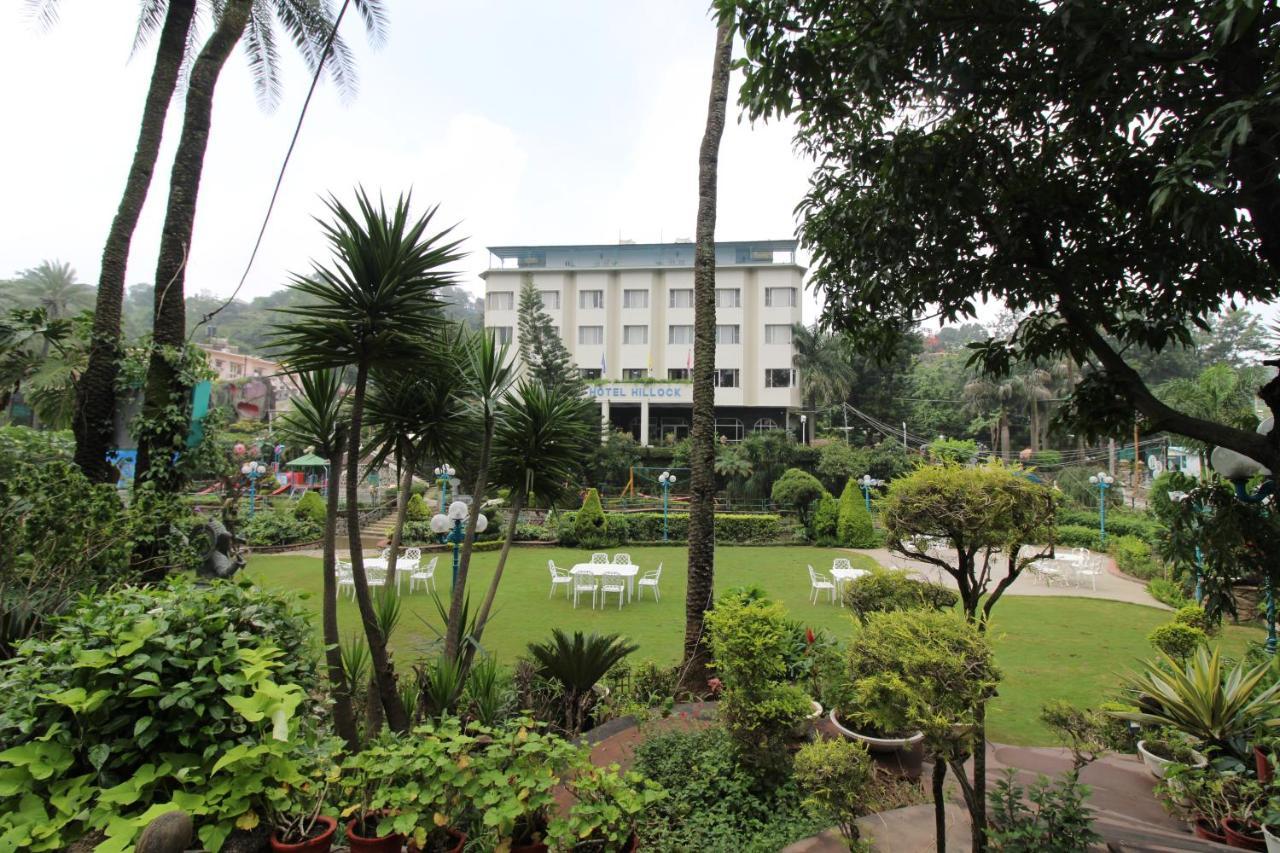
<point x="1048" y="648"/>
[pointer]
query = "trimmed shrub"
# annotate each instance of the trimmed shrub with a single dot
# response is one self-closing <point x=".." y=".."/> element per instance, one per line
<point x="882" y="591"/>
<point x="637" y="527"/>
<point x="280" y="528"/>
<point x="417" y="509"/>
<point x="955" y="450"/>
<point x="826" y="518"/>
<point x="1195" y="616"/>
<point x="1168" y="592"/>
<point x="1138" y="524"/>
<point x="854" y="528"/>
<point x="1134" y="557"/>
<point x="591" y="527"/>
<point x="797" y="490"/>
<point x="1177" y="640"/>
<point x="836" y="774"/>
<point x="1158" y="495"/>
<point x="311" y="506"/>
<point x="1076" y="536"/>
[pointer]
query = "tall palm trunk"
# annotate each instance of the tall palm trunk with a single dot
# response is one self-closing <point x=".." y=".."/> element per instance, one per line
<point x="458" y="593"/>
<point x="384" y="675"/>
<point x="344" y="720"/>
<point x="165" y="404"/>
<point x="95" y="392"/>
<point x="402" y="510"/>
<point x="517" y="503"/>
<point x="702" y="451"/>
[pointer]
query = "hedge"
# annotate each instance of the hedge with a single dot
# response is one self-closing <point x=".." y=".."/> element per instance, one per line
<point x="1077" y="536"/>
<point x="854" y="528"/>
<point x="636" y="527"/>
<point x="1143" y="526"/>
<point x="1134" y="557"/>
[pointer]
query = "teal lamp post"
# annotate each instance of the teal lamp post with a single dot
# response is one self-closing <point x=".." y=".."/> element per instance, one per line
<point x="444" y="474"/>
<point x="253" y="470"/>
<point x="867" y="483"/>
<point x="667" y="480"/>
<point x="1178" y="496"/>
<point x="1103" y="481"/>
<point x="452" y="530"/>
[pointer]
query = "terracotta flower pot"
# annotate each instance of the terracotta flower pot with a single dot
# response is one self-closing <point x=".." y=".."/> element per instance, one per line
<point x="318" y="843"/>
<point x="1243" y="835"/>
<point x="1208" y="830"/>
<point x="372" y="844"/>
<point x="1262" y="761"/>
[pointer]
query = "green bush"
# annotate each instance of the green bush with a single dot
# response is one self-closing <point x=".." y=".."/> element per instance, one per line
<point x="1168" y="592"/>
<point x="1138" y="524"/>
<point x="137" y="696"/>
<point x="1134" y="557"/>
<point x="854" y="528"/>
<point x="955" y="450"/>
<point x="1057" y="821"/>
<point x="797" y="490"/>
<point x="417" y="509"/>
<point x="1158" y="495"/>
<point x="311" y="506"/>
<point x="1078" y="491"/>
<point x="1077" y="536"/>
<point x="280" y="528"/>
<point x="1195" y="616"/>
<point x="591" y="527"/>
<point x="1177" y="640"/>
<point x="882" y="591"/>
<point x="1046" y="458"/>
<point x="835" y="774"/>
<point x="643" y="527"/>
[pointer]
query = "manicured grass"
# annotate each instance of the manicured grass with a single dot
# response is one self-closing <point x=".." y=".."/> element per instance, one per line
<point x="1048" y="648"/>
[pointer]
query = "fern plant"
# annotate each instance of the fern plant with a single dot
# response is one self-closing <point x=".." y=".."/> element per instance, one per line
<point x="578" y="663"/>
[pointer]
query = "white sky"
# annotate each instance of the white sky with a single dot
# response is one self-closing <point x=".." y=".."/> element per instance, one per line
<point x="551" y="122"/>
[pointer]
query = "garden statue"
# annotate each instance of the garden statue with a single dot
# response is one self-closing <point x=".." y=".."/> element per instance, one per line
<point x="223" y="559"/>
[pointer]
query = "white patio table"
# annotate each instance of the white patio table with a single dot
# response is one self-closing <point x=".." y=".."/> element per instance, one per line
<point x="844" y="576"/>
<point x="627" y="570"/>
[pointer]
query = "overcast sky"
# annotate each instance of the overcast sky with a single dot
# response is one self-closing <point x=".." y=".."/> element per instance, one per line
<point x="551" y="122"/>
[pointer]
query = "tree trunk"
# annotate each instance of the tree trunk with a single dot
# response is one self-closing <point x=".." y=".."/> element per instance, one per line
<point x="940" y="803"/>
<point x="384" y="675"/>
<point x="402" y="509"/>
<point x="978" y="807"/>
<point x="1035" y="426"/>
<point x="517" y="501"/>
<point x="1004" y="435"/>
<point x="344" y="720"/>
<point x="96" y="390"/>
<point x="702" y="451"/>
<point x="457" y="594"/>
<point x="165" y="406"/>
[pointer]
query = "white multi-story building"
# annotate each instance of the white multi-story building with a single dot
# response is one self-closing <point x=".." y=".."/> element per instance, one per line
<point x="625" y="312"/>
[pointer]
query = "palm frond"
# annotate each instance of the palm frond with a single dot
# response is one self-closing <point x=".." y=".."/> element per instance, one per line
<point x="580" y="661"/>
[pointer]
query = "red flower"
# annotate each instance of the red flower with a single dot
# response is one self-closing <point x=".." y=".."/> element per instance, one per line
<point x="715" y="684"/>
<point x="809" y="637"/>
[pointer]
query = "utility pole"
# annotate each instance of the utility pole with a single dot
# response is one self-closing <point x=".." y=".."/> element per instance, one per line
<point x="1133" y="496"/>
<point x="1111" y="456"/>
<point x="904" y="436"/>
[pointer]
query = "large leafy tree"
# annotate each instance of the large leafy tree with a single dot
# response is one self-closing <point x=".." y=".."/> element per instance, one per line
<point x="542" y="352"/>
<point x="702" y="433"/>
<point x="1104" y="170"/>
<point x="372" y="305"/>
<point x="308" y="24"/>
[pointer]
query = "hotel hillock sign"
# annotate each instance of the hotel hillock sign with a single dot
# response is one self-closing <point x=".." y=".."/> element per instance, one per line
<point x="622" y="392"/>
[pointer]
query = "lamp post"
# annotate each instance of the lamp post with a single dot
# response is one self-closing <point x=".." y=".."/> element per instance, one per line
<point x="667" y="479"/>
<point x="1178" y="496"/>
<point x="1239" y="469"/>
<point x="451" y="528"/>
<point x="804" y="429"/>
<point x="1103" y="481"/>
<point x="444" y="473"/>
<point x="867" y="483"/>
<point x="253" y="470"/>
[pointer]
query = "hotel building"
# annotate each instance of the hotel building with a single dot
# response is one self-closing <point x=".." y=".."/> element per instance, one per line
<point x="625" y="313"/>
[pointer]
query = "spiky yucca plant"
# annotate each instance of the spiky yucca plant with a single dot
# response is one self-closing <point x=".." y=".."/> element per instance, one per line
<point x="578" y="663"/>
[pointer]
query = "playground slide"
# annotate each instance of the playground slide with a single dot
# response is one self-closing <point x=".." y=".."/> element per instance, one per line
<point x="283" y="488"/>
<point x="215" y="487"/>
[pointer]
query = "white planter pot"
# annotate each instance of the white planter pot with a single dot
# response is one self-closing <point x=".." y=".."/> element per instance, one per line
<point x="1273" y="840"/>
<point x="1158" y="766"/>
<point x="817" y="711"/>
<point x="877" y="744"/>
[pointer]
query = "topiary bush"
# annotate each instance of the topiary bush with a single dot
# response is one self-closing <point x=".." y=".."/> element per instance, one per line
<point x="311" y="506"/>
<point x="854" y="528"/>
<point x="1177" y="640"/>
<point x="797" y="490"/>
<point x="417" y="509"/>
<point x="591" y="527"/>
<point x="826" y="518"/>
<point x="882" y="591"/>
<point x="1195" y="616"/>
<point x="1134" y="557"/>
<point x="836" y="775"/>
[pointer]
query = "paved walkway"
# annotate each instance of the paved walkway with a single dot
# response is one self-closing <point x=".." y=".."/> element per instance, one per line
<point x="1112" y="584"/>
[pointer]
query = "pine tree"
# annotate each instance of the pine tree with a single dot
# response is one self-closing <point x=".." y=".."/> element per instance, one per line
<point x="543" y="352"/>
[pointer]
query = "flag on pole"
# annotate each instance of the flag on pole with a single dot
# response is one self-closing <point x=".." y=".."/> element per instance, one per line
<point x="604" y="368"/>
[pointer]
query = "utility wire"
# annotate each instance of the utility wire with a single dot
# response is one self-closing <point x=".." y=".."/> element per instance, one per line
<point x="257" y="244"/>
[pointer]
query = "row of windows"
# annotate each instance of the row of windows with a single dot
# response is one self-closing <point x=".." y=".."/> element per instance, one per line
<point x="726" y="297"/>
<point x="726" y="334"/>
<point x="724" y="377"/>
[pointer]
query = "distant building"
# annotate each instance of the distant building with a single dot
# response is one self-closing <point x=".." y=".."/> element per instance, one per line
<point x="625" y="313"/>
<point x="250" y="384"/>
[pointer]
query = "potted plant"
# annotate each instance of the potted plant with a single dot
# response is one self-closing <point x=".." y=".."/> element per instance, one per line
<point x="1220" y="806"/>
<point x="1270" y="820"/>
<point x="1169" y="746"/>
<point x="835" y="774"/>
<point x="1266" y="755"/>
<point x="606" y="812"/>
<point x="366" y="777"/>
<point x="299" y="825"/>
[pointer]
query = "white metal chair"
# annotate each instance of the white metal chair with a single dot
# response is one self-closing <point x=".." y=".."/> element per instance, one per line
<point x="650" y="579"/>
<point x="559" y="576"/>
<point x="426" y="575"/>
<point x="584" y="582"/>
<point x="345" y="577"/>
<point x="819" y="582"/>
<point x="1089" y="569"/>
<point x="840" y="563"/>
<point x="612" y="582"/>
<point x="1046" y="572"/>
<point x="375" y="577"/>
<point x="599" y="559"/>
<point x="621" y="559"/>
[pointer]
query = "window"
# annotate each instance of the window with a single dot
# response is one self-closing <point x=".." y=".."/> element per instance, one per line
<point x="500" y="300"/>
<point x="727" y="334"/>
<point x="728" y="297"/>
<point x="749" y="255"/>
<point x="532" y="258"/>
<point x="681" y="298"/>
<point x="671" y="430"/>
<point x="765" y="425"/>
<point x="777" y="333"/>
<point x="677" y="374"/>
<point x="591" y="335"/>
<point x="730" y="429"/>
<point x="502" y="334"/>
<point x="550" y="299"/>
<point x="779" y="297"/>
<point x="590" y="298"/>
<point x="236" y="369"/>
<point x="589" y="372"/>
<point x="219" y="363"/>
<point x="680" y="334"/>
<point x="779" y="377"/>
<point x="635" y="299"/>
<point x="635" y="334"/>
<point x="634" y="373"/>
<point x="726" y="377"/>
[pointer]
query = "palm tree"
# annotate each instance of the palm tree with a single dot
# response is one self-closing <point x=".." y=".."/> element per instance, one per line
<point x="374" y="305"/>
<point x="26" y="337"/>
<point x="318" y="420"/>
<point x="702" y="434"/>
<point x="826" y="373"/>
<point x="578" y="663"/>
<point x="991" y="399"/>
<point x="54" y="286"/>
<point x="1220" y="393"/>
<point x="309" y="26"/>
<point x="488" y="374"/>
<point x="541" y="441"/>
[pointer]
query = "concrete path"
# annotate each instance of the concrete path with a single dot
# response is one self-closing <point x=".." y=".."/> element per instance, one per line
<point x="1112" y="585"/>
